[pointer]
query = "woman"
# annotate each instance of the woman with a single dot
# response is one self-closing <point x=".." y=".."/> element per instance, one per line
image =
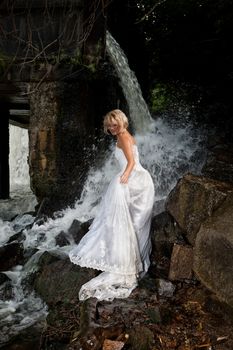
<point x="118" y="242"/>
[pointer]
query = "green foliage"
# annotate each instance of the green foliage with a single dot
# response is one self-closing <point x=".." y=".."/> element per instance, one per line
<point x="161" y="98"/>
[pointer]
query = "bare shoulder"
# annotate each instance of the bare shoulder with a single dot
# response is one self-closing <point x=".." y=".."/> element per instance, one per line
<point x="126" y="139"/>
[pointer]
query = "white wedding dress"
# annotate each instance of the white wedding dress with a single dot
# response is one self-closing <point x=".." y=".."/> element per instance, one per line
<point x="118" y="241"/>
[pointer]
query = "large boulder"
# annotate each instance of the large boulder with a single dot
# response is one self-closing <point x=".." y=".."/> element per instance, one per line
<point x="58" y="280"/>
<point x="193" y="200"/>
<point x="213" y="252"/>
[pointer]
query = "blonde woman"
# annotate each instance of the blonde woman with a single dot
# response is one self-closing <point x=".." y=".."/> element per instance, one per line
<point x="118" y="241"/>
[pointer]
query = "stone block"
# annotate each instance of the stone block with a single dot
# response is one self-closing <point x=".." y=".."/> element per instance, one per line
<point x="181" y="266"/>
<point x="193" y="200"/>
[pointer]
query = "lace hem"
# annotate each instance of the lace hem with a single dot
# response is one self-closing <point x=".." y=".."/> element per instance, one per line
<point x="108" y="286"/>
<point x="107" y="294"/>
<point x="93" y="264"/>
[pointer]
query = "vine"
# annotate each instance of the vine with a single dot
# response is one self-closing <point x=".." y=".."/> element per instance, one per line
<point x="31" y="45"/>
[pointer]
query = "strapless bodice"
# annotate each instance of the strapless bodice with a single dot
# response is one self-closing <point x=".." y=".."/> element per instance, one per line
<point x="120" y="156"/>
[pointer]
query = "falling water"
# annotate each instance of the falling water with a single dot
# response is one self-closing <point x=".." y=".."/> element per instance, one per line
<point x="167" y="151"/>
<point x="19" y="170"/>
<point x="21" y="197"/>
<point x="138" y="108"/>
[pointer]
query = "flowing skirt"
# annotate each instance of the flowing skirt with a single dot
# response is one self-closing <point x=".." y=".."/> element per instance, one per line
<point x="118" y="241"/>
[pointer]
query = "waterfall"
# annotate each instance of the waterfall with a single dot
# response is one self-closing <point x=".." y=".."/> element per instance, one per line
<point x="21" y="197"/>
<point x="138" y="108"/>
<point x="19" y="170"/>
<point x="167" y="149"/>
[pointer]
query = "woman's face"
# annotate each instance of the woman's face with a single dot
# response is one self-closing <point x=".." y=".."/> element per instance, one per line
<point x="114" y="127"/>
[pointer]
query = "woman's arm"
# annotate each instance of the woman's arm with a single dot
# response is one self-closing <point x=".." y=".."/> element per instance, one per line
<point x="126" y="145"/>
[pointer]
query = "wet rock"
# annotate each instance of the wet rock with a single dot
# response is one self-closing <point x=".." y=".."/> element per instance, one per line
<point x="28" y="253"/>
<point x="213" y="252"/>
<point x="77" y="230"/>
<point x="59" y="280"/>
<point x="181" y="266"/>
<point x="18" y="237"/>
<point x="24" y="221"/>
<point x="193" y="200"/>
<point x="165" y="288"/>
<point x="6" y="290"/>
<point x="3" y="278"/>
<point x="10" y="255"/>
<point x="74" y="229"/>
<point x="61" y="239"/>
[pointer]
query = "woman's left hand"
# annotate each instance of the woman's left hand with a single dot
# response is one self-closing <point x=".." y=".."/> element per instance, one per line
<point x="124" y="178"/>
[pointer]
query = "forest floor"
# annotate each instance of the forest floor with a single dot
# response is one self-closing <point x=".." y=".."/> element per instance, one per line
<point x="185" y="317"/>
<point x="191" y="319"/>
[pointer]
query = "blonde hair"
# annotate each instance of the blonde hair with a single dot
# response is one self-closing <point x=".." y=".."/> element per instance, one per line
<point x="118" y="116"/>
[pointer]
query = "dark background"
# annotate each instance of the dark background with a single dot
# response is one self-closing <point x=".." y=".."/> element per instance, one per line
<point x="182" y="47"/>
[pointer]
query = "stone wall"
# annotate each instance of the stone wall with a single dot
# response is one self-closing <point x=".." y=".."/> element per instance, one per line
<point x="69" y="85"/>
<point x="65" y="123"/>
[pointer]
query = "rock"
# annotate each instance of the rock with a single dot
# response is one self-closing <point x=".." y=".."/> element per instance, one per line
<point x="165" y="288"/>
<point x="154" y="314"/>
<point x="164" y="233"/>
<point x="74" y="229"/>
<point x="18" y="237"/>
<point x="10" y="255"/>
<point x="6" y="291"/>
<point x="181" y="266"/>
<point x="59" y="280"/>
<point x="3" y="278"/>
<point x="193" y="200"/>
<point x="28" y="339"/>
<point x="61" y="239"/>
<point x="213" y="252"/>
<point x="77" y="230"/>
<point x="28" y="253"/>
<point x="116" y="320"/>
<point x="141" y="338"/>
